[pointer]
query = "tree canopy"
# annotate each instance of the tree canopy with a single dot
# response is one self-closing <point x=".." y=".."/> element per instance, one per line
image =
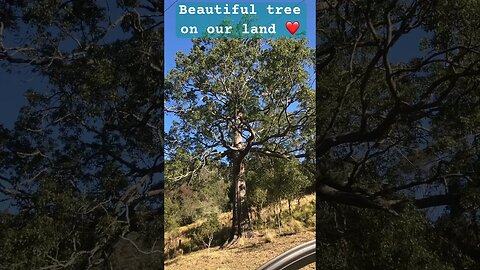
<point x="81" y="171"/>
<point x="266" y="84"/>
<point x="235" y="98"/>
<point x="397" y="134"/>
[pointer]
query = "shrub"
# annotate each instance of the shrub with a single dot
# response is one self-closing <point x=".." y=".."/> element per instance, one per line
<point x="269" y="237"/>
<point x="206" y="232"/>
<point x="295" y="226"/>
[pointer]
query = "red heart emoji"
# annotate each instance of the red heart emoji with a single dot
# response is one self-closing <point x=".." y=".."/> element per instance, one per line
<point x="292" y="27"/>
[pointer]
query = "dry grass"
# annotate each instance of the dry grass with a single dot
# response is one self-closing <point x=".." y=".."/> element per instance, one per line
<point x="250" y="255"/>
<point x="174" y="237"/>
<point x="269" y="237"/>
<point x="268" y="211"/>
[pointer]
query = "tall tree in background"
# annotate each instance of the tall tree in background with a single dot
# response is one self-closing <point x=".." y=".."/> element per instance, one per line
<point x="81" y="172"/>
<point x="238" y="97"/>
<point x="397" y="130"/>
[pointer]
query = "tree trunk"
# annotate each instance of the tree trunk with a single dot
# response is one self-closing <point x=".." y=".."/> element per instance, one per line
<point x="240" y="219"/>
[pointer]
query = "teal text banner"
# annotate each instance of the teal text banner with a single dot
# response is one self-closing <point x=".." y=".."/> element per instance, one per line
<point x="274" y="19"/>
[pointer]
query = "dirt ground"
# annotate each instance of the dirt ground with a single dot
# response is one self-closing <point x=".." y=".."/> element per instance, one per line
<point x="250" y="254"/>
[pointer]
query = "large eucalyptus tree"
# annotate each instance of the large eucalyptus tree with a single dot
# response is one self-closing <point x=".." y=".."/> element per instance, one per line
<point x="234" y="98"/>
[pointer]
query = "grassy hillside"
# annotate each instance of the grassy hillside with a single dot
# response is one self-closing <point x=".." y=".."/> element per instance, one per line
<point x="250" y="254"/>
<point x="277" y="228"/>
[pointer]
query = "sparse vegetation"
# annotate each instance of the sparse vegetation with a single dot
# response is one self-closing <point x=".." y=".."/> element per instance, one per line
<point x="214" y="229"/>
<point x="269" y="236"/>
<point x="253" y="253"/>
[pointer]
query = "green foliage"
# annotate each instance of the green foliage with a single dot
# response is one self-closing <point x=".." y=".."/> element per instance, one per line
<point x="193" y="195"/>
<point x="81" y="169"/>
<point x="206" y="232"/>
<point x="172" y="214"/>
<point x="272" y="180"/>
<point x="222" y="78"/>
<point x="235" y="100"/>
<point x="461" y="248"/>
<point x="306" y="214"/>
<point x="365" y="239"/>
<point x="397" y="133"/>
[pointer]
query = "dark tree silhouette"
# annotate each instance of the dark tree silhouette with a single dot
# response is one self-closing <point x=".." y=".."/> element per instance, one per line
<point x="82" y="168"/>
<point x="396" y="131"/>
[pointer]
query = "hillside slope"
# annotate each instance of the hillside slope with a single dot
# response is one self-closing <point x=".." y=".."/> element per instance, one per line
<point x="251" y="254"/>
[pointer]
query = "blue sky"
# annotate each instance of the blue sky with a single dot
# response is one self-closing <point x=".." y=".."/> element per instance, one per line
<point x="13" y="85"/>
<point x="406" y="47"/>
<point x="174" y="44"/>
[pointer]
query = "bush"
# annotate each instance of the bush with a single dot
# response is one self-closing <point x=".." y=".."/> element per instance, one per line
<point x="206" y="232"/>
<point x="295" y="226"/>
<point x="171" y="219"/>
<point x="306" y="214"/>
<point x="269" y="237"/>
